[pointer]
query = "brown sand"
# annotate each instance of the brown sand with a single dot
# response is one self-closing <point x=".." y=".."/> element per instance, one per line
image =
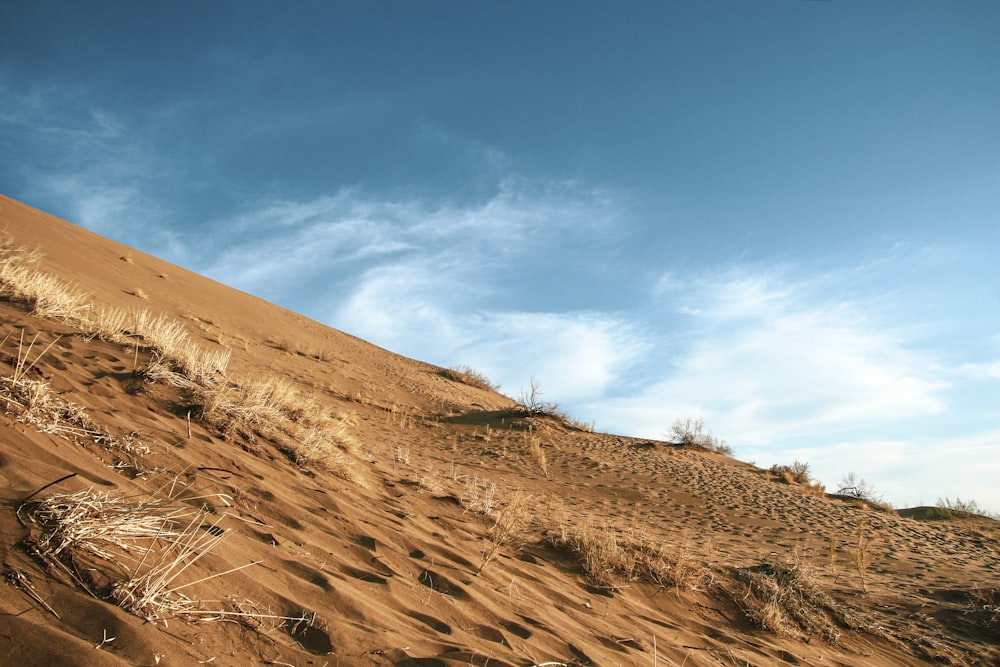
<point x="384" y="569"/>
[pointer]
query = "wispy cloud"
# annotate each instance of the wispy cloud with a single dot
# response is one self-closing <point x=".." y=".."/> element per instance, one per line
<point x="763" y="358"/>
<point x="84" y="162"/>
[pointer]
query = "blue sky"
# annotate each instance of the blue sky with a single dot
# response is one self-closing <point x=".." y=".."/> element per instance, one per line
<point x="782" y="217"/>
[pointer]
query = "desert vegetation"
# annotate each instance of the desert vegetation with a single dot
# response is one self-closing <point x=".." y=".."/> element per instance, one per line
<point x="951" y="507"/>
<point x="27" y="396"/>
<point x="798" y="474"/>
<point x="262" y="406"/>
<point x="783" y="596"/>
<point x="690" y="432"/>
<point x="612" y="558"/>
<point x="470" y="376"/>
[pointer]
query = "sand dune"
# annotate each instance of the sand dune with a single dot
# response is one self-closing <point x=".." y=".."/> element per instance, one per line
<point x="312" y="499"/>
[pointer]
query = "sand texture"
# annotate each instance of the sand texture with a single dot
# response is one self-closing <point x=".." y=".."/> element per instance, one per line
<point x="316" y="500"/>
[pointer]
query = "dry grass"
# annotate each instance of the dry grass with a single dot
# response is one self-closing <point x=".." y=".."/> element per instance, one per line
<point x="798" y="474"/>
<point x="610" y="558"/>
<point x="985" y="605"/>
<point x="253" y="407"/>
<point x="864" y="550"/>
<point x="272" y="408"/>
<point x="508" y="523"/>
<point x="21" y="279"/>
<point x="143" y="547"/>
<point x="325" y="444"/>
<point x="537" y="453"/>
<point x="32" y="401"/>
<point x="112" y="528"/>
<point x="783" y="597"/>
<point x="480" y="495"/>
<point x="469" y="376"/>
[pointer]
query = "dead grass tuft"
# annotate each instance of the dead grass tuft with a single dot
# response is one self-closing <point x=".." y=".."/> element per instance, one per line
<point x="272" y="408"/>
<point x="610" y="558"/>
<point x="21" y="279"/>
<point x="508" y="523"/>
<point x="783" y="597"/>
<point x="32" y="401"/>
<point x="140" y="550"/>
<point x="797" y="474"/>
<point x="469" y="376"/>
<point x="985" y="605"/>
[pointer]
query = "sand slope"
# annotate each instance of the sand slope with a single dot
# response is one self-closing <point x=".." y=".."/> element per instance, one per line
<point x="381" y="568"/>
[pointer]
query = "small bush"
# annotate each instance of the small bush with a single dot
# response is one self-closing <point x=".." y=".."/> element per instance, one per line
<point x="531" y="403"/>
<point x="966" y="507"/>
<point x="692" y="433"/>
<point x="797" y="474"/>
<point x="857" y="488"/>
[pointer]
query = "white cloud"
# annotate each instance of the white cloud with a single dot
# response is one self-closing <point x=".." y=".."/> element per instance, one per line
<point x="766" y="362"/>
<point x="981" y="371"/>
<point x="916" y="471"/>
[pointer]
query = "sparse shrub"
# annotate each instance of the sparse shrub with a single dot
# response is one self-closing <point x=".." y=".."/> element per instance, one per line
<point x="508" y="524"/>
<point x="966" y="507"/>
<point x="469" y="376"/>
<point x="531" y="403"/>
<point x="863" y="551"/>
<point x="692" y="433"/>
<point x="797" y="474"/>
<point x="857" y="488"/>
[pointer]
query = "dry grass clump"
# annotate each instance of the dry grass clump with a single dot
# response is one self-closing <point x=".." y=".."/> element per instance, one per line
<point x="692" y="433"/>
<point x="88" y="523"/>
<point x="965" y="508"/>
<point x="610" y="558"/>
<point x="32" y="401"/>
<point x="272" y="408"/>
<point x="138" y="552"/>
<point x="985" y="604"/>
<point x="509" y="522"/>
<point x="469" y="376"/>
<point x="798" y="474"/>
<point x="324" y="443"/>
<point x="170" y="340"/>
<point x="479" y="495"/>
<point x="21" y="279"/>
<point x="252" y="407"/>
<point x="537" y="453"/>
<point x="177" y="360"/>
<point x="142" y="546"/>
<point x="783" y="597"/>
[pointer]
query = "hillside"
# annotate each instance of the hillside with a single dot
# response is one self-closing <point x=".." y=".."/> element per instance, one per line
<point x="191" y="475"/>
